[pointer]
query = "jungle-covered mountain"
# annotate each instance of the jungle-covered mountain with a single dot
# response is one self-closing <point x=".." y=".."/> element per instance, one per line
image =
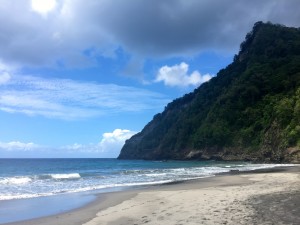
<point x="249" y="111"/>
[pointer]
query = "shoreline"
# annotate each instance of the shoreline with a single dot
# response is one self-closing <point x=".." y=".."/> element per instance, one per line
<point x="92" y="213"/>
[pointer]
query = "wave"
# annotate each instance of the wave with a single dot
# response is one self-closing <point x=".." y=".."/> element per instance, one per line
<point x="251" y="167"/>
<point x="15" y="180"/>
<point x="76" y="190"/>
<point x="22" y="180"/>
<point x="99" y="187"/>
<point x="66" y="176"/>
<point x="23" y="196"/>
<point x="58" y="176"/>
<point x="155" y="174"/>
<point x="19" y="187"/>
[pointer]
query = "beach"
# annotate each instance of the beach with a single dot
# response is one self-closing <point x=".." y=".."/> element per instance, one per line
<point x="261" y="197"/>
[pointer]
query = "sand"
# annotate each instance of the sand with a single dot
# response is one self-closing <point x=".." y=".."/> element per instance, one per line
<point x="244" y="198"/>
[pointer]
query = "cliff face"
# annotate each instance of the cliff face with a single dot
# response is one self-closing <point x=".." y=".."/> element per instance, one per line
<point x="249" y="111"/>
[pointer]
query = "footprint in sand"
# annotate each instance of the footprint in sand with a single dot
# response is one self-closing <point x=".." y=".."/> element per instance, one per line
<point x="160" y="218"/>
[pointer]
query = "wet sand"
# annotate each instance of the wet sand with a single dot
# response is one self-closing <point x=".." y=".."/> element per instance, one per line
<point x="260" y="197"/>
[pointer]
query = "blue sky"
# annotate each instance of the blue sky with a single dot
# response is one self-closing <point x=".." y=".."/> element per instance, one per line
<point x="78" y="78"/>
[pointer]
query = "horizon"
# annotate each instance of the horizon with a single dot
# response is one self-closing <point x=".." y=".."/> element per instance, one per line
<point x="79" y="78"/>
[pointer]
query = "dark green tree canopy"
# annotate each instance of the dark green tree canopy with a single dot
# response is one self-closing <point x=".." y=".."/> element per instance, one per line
<point x="249" y="111"/>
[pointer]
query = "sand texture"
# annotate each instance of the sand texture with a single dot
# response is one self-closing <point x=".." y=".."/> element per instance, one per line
<point x="245" y="202"/>
<point x="258" y="198"/>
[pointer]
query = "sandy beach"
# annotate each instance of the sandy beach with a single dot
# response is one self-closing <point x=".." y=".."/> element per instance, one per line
<point x="262" y="197"/>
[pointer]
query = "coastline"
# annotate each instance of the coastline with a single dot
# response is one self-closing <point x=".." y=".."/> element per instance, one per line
<point x="223" y="199"/>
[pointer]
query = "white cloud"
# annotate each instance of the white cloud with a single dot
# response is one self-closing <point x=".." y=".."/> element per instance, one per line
<point x="43" y="7"/>
<point x="5" y="71"/>
<point x="177" y="75"/>
<point x="150" y="28"/>
<point x="113" y="142"/>
<point x="4" y="77"/>
<point x="71" y="100"/>
<point x="109" y="146"/>
<point x="18" y="146"/>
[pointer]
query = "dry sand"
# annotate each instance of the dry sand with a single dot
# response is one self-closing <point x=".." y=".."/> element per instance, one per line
<point x="247" y="198"/>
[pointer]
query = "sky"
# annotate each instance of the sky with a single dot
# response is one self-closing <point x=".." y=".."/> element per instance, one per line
<point x="78" y="78"/>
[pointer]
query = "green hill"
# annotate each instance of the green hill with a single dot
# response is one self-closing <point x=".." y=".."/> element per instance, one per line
<point x="249" y="111"/>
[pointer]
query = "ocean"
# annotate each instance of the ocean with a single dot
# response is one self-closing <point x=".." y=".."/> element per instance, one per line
<point x="30" y="178"/>
<point x="57" y="181"/>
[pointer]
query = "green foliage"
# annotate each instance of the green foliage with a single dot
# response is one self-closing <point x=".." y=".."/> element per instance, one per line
<point x="238" y="107"/>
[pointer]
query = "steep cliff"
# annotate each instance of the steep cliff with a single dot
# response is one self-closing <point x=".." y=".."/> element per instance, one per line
<point x="249" y="111"/>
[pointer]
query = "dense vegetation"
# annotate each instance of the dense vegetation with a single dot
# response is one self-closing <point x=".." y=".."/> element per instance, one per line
<point x="249" y="111"/>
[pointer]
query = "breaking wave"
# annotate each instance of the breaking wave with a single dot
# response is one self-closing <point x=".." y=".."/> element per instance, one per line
<point x="108" y="174"/>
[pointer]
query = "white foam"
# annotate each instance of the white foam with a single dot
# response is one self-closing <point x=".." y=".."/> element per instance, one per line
<point x="66" y="176"/>
<point x="23" y="196"/>
<point x="178" y="169"/>
<point x="155" y="174"/>
<point x="106" y="186"/>
<point x="47" y="185"/>
<point x="250" y="167"/>
<point x="15" y="180"/>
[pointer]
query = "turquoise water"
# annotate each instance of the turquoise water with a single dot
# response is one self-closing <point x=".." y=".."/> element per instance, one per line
<point x="32" y="188"/>
<point x="31" y="178"/>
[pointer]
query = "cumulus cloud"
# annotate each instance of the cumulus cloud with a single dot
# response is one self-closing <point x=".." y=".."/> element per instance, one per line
<point x="109" y="146"/>
<point x="177" y="75"/>
<point x="113" y="142"/>
<point x="71" y="100"/>
<point x="156" y="28"/>
<point x="18" y="146"/>
<point x="43" y="7"/>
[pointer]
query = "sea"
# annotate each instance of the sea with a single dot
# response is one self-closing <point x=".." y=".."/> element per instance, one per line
<point x="26" y="183"/>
